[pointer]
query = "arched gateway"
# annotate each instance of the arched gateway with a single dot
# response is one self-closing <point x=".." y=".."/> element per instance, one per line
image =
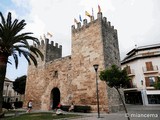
<point x="55" y="97"/>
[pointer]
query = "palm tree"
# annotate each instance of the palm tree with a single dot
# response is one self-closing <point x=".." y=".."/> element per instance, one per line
<point x="15" y="43"/>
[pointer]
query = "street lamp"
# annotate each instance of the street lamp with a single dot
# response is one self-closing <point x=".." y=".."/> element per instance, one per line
<point x="7" y="85"/>
<point x="142" y="82"/>
<point x="96" y="69"/>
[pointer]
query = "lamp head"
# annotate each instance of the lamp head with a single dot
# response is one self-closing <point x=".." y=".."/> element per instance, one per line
<point x="95" y="67"/>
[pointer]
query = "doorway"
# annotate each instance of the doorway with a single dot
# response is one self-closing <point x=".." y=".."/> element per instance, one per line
<point x="133" y="97"/>
<point x="55" y="97"/>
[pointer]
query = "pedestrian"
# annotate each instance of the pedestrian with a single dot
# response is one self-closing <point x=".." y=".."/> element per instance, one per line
<point x="71" y="108"/>
<point x="59" y="111"/>
<point x="59" y="106"/>
<point x="51" y="105"/>
<point x="13" y="106"/>
<point x="29" y="106"/>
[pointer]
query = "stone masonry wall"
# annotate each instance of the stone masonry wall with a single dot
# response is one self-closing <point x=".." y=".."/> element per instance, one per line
<point x="111" y="56"/>
<point x="87" y="50"/>
<point x="76" y="78"/>
<point x="41" y="81"/>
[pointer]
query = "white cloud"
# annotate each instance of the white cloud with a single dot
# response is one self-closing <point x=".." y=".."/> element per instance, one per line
<point x="137" y="21"/>
<point x="36" y="25"/>
<point x="133" y="19"/>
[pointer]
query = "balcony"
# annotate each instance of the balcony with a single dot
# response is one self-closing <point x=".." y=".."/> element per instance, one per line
<point x="130" y="88"/>
<point x="131" y="73"/>
<point x="131" y="85"/>
<point x="152" y="70"/>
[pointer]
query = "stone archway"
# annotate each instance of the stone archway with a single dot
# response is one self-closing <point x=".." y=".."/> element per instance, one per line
<point x="55" y="97"/>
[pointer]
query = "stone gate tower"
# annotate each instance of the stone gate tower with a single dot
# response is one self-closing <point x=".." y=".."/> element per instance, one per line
<point x="72" y="78"/>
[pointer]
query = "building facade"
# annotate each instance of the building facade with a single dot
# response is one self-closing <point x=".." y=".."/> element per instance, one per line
<point x="143" y="67"/>
<point x="72" y="78"/>
<point x="9" y="95"/>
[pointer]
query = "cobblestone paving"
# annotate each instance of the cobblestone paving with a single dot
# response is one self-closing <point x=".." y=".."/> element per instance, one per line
<point x="136" y="112"/>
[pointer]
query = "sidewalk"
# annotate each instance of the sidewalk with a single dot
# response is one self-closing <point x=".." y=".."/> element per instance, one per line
<point x="136" y="112"/>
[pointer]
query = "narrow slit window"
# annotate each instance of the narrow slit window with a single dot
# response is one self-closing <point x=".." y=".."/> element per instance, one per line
<point x="55" y="74"/>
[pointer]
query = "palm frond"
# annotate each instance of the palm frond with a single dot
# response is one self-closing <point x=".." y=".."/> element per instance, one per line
<point x="18" y="27"/>
<point x="15" y="59"/>
<point x="9" y="61"/>
<point x="25" y="43"/>
<point x="27" y="57"/>
<point x="9" y="20"/>
<point x="15" y="43"/>
<point x="2" y="18"/>
<point x="14" y="23"/>
<point x="33" y="59"/>
<point x="37" y="52"/>
<point x="1" y="29"/>
<point x="24" y="37"/>
<point x="31" y="49"/>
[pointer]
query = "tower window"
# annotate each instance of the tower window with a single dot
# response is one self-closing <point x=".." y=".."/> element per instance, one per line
<point x="55" y="74"/>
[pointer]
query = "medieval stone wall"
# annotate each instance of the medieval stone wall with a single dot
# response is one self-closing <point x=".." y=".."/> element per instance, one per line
<point x="92" y="43"/>
<point x="111" y="56"/>
<point x="41" y="81"/>
<point x="87" y="50"/>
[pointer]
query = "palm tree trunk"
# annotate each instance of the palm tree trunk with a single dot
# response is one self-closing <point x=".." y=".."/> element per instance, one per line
<point x="123" y="103"/>
<point x="3" y="66"/>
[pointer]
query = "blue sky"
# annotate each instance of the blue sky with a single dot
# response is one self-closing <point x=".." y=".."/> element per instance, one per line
<point x="137" y="21"/>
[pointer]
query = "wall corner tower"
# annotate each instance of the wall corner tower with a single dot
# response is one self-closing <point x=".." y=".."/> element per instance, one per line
<point x="95" y="42"/>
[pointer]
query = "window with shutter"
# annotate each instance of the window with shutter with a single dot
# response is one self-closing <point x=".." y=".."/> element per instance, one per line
<point x="147" y="81"/>
<point x="128" y="69"/>
<point x="149" y="66"/>
<point x="150" y="81"/>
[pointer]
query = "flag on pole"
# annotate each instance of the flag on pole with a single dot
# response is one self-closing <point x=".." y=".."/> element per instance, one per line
<point x="75" y="21"/>
<point x="44" y="36"/>
<point x="92" y="12"/>
<point x="41" y="38"/>
<point x="87" y="14"/>
<point x="99" y="9"/>
<point x="49" y="34"/>
<point x="80" y="19"/>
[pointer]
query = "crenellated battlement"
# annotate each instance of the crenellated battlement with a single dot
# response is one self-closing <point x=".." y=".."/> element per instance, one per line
<point x="50" y="45"/>
<point x="50" y="50"/>
<point x="85" y="25"/>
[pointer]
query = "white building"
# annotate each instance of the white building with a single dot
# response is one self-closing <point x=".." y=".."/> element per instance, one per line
<point x="143" y="67"/>
<point x="9" y="95"/>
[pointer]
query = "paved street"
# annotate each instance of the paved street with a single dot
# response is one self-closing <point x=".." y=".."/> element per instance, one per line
<point x="136" y="112"/>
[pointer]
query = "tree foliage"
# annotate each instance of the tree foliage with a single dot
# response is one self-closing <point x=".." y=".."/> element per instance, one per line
<point x="15" y="43"/>
<point x="157" y="84"/>
<point x="115" y="77"/>
<point x="19" y="84"/>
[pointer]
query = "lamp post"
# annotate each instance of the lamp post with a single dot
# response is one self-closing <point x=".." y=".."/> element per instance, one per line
<point x="96" y="69"/>
<point x="7" y="85"/>
<point x="142" y="83"/>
